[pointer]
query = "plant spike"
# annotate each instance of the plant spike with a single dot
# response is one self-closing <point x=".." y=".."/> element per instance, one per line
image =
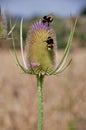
<point x="67" y="48"/>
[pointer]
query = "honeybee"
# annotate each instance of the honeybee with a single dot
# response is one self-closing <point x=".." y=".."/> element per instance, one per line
<point x="50" y="43"/>
<point x="47" y="19"/>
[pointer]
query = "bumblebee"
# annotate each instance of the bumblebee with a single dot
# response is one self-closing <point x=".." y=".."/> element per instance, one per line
<point x="50" y="43"/>
<point x="47" y="19"/>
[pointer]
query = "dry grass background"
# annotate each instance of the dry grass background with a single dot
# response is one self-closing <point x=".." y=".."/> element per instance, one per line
<point x="64" y="96"/>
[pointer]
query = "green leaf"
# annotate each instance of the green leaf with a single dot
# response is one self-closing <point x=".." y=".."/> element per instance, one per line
<point x="63" y="68"/>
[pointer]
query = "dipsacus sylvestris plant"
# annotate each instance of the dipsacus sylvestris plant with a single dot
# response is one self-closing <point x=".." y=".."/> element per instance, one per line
<point x="40" y="56"/>
<point x="3" y="27"/>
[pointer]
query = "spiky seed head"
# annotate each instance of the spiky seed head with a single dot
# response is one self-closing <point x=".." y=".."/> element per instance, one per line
<point x="3" y="27"/>
<point x="38" y="56"/>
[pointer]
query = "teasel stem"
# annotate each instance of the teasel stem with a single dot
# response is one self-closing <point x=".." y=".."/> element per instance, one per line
<point x="40" y="101"/>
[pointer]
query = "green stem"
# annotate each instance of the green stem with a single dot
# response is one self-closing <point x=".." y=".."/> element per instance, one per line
<point x="40" y="101"/>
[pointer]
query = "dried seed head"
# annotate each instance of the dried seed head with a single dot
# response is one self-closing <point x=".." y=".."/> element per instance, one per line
<point x="40" y="48"/>
<point x="3" y="28"/>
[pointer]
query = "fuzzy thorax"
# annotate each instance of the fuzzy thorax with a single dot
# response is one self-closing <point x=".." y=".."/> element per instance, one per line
<point x="38" y="56"/>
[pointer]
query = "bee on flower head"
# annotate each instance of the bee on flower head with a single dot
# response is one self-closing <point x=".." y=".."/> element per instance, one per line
<point x="50" y="43"/>
<point x="47" y="19"/>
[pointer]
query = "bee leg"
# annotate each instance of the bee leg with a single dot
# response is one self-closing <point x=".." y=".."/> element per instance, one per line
<point x="48" y="24"/>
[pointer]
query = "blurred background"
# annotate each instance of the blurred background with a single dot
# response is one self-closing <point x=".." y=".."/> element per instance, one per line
<point x="65" y="94"/>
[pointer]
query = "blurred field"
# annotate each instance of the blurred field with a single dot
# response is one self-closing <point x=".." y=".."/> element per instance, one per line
<point x="64" y="96"/>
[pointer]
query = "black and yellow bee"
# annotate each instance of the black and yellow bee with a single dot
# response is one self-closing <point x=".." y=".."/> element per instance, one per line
<point x="50" y="43"/>
<point x="47" y="19"/>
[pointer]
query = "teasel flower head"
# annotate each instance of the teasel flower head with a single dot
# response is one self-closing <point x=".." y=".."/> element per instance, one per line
<point x="38" y="57"/>
<point x="40" y="49"/>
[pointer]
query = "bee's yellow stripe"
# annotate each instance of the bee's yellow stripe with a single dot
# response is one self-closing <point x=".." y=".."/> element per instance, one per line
<point x="50" y="44"/>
